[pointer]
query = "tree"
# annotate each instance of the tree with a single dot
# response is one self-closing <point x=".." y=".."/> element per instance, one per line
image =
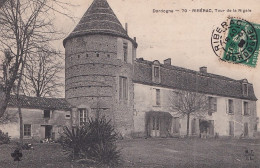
<point x="187" y="103"/>
<point x="2" y="3"/>
<point x="41" y="77"/>
<point x="25" y="27"/>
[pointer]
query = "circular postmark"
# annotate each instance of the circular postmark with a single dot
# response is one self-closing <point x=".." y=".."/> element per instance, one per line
<point x="234" y="40"/>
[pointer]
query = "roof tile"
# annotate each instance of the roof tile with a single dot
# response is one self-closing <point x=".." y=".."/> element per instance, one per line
<point x="185" y="79"/>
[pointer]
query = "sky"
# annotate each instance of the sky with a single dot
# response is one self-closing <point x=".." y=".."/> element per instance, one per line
<point x="185" y="37"/>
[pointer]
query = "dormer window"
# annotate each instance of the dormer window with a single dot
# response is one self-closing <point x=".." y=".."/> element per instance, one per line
<point x="156" y="74"/>
<point x="245" y="89"/>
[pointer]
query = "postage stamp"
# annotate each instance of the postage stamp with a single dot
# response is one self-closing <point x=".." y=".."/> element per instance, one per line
<point x="237" y="41"/>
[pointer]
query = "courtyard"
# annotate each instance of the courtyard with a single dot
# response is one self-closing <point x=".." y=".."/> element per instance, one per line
<point x="152" y="153"/>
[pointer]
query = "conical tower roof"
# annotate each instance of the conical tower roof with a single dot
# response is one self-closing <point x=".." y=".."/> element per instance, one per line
<point x="99" y="19"/>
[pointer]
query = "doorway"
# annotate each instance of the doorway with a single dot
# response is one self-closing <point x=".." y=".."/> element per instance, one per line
<point x="206" y="128"/>
<point x="46" y="131"/>
<point x="158" y="124"/>
<point x="155" y="131"/>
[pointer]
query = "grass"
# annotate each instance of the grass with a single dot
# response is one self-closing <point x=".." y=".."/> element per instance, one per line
<point x="157" y="153"/>
<point x="195" y="153"/>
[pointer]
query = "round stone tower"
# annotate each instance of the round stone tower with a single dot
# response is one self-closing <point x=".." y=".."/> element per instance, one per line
<point x="99" y="57"/>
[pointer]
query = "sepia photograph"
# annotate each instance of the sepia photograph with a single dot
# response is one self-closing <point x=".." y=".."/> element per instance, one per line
<point x="129" y="83"/>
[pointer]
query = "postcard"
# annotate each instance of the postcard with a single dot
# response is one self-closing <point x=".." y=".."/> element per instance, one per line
<point x="137" y="83"/>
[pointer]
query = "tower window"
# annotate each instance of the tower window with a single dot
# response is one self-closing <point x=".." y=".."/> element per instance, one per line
<point x="123" y="88"/>
<point x="97" y="55"/>
<point x="83" y="116"/>
<point x="108" y="55"/>
<point x="125" y="47"/>
<point x="78" y="56"/>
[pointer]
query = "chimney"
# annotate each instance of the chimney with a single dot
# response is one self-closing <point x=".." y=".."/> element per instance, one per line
<point x="135" y="39"/>
<point x="168" y="61"/>
<point x="126" y="28"/>
<point x="203" y="69"/>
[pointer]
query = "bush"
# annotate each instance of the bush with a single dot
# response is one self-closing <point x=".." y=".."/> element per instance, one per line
<point x="4" y="138"/>
<point x="96" y="140"/>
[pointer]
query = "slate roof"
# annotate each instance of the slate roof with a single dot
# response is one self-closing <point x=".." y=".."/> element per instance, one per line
<point x="40" y="103"/>
<point x="185" y="79"/>
<point x="99" y="19"/>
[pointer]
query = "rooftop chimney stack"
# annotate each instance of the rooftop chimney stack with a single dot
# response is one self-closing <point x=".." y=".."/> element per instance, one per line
<point x="203" y="69"/>
<point x="168" y="61"/>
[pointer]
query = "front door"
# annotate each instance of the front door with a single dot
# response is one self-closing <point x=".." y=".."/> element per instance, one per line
<point x="155" y="126"/>
<point x="48" y="130"/>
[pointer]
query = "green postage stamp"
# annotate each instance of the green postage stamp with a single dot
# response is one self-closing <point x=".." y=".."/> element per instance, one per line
<point x="237" y="40"/>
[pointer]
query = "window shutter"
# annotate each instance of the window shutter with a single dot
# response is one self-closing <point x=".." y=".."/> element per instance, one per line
<point x="226" y="105"/>
<point x="154" y="96"/>
<point x="243" y="108"/>
<point x="216" y="104"/>
<point x="249" y="108"/>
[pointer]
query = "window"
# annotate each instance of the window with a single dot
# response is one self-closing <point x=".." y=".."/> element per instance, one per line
<point x="156" y="77"/>
<point x="67" y="116"/>
<point x="245" y="108"/>
<point x="83" y="115"/>
<point x="47" y="114"/>
<point x="212" y="105"/>
<point x="156" y="72"/>
<point x="125" y="47"/>
<point x="123" y="88"/>
<point x="245" y="89"/>
<point x="27" y="129"/>
<point x="158" y="101"/>
<point x="230" y="106"/>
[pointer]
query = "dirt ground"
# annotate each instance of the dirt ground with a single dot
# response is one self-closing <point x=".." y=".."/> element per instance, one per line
<point x="152" y="153"/>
